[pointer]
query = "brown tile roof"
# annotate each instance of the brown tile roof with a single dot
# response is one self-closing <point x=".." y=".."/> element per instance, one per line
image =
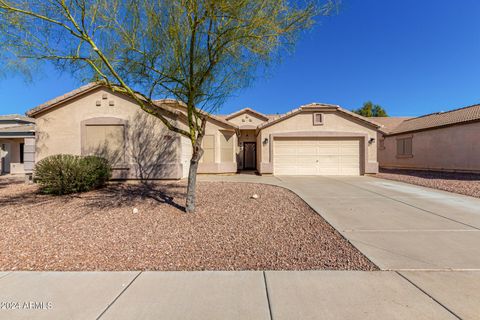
<point x="173" y="104"/>
<point x="52" y="103"/>
<point x="439" y="119"/>
<point x="165" y="104"/>
<point x="316" y="106"/>
<point x="389" y="123"/>
<point x="16" y="117"/>
<point x="245" y="110"/>
<point x="21" y="130"/>
<point x="268" y="117"/>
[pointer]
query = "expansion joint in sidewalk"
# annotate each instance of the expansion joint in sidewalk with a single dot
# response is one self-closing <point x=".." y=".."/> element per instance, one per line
<point x="268" y="295"/>
<point x="430" y="296"/>
<point x="119" y="295"/>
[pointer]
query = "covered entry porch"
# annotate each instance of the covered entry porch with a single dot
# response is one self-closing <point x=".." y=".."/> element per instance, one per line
<point x="17" y="152"/>
<point x="247" y="150"/>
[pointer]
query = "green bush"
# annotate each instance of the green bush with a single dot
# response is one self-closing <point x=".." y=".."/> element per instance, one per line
<point x="65" y="174"/>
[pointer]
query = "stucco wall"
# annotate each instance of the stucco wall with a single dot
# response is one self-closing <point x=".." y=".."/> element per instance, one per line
<point x="148" y="153"/>
<point x="219" y="166"/>
<point x="454" y="148"/>
<point x="152" y="151"/>
<point x="246" y="119"/>
<point x="333" y="121"/>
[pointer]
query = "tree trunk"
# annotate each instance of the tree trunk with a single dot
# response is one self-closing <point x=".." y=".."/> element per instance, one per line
<point x="192" y="176"/>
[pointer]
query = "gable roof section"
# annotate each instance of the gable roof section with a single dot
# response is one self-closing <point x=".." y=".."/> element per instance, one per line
<point x="246" y="110"/>
<point x="20" y="130"/>
<point x="163" y="104"/>
<point x="439" y="119"/>
<point x="16" y="118"/>
<point x="63" y="98"/>
<point x="176" y="103"/>
<point x="74" y="94"/>
<point x="389" y="123"/>
<point x="319" y="107"/>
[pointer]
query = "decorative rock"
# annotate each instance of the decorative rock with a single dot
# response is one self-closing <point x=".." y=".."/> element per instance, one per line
<point x="254" y="196"/>
<point x="135" y="210"/>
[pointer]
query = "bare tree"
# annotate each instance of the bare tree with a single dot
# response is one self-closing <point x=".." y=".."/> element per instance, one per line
<point x="196" y="51"/>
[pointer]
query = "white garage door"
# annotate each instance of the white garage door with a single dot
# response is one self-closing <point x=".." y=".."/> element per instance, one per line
<point x="316" y="156"/>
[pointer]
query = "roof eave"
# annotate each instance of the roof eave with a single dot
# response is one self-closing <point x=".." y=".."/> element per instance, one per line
<point x="319" y="107"/>
<point x="393" y="133"/>
<point x="44" y="107"/>
<point x="245" y="110"/>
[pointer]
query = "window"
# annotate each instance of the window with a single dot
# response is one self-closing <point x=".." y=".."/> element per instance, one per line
<point x="22" y="150"/>
<point x="382" y="143"/>
<point x="208" y="145"/>
<point x="106" y="141"/>
<point x="226" y="146"/>
<point x="317" y="119"/>
<point x="404" y="147"/>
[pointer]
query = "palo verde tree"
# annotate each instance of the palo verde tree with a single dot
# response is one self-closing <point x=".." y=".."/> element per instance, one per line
<point x="196" y="51"/>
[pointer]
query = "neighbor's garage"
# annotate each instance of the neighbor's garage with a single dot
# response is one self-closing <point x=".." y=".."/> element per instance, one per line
<point x="316" y="156"/>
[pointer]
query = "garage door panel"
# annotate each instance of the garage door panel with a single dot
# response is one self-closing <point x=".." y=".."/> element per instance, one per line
<point x="352" y="160"/>
<point x="329" y="150"/>
<point x="284" y="150"/>
<point x="316" y="157"/>
<point x="306" y="151"/>
<point x="286" y="159"/>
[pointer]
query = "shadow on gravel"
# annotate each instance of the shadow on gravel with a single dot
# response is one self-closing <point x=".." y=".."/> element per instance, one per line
<point x="122" y="195"/>
<point x="115" y="195"/>
<point x="434" y="174"/>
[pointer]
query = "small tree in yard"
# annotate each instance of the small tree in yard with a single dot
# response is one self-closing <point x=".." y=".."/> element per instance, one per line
<point x="371" y="110"/>
<point x="196" y="51"/>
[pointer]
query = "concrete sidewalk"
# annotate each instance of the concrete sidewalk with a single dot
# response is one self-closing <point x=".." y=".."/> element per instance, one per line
<point x="240" y="295"/>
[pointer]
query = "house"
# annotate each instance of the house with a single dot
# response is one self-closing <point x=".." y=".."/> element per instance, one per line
<point x="315" y="139"/>
<point x="17" y="144"/>
<point x="442" y="141"/>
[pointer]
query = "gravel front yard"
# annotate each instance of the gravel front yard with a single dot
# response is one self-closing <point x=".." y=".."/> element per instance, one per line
<point x="230" y="231"/>
<point x="462" y="183"/>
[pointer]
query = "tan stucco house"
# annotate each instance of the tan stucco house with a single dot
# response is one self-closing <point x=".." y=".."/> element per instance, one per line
<point x="443" y="141"/>
<point x="315" y="139"/>
<point x="17" y="144"/>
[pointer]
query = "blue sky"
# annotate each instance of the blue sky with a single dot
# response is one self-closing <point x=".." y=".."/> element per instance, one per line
<point x="412" y="56"/>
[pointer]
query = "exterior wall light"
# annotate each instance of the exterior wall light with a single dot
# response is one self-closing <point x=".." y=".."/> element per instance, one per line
<point x="265" y="141"/>
<point x="372" y="140"/>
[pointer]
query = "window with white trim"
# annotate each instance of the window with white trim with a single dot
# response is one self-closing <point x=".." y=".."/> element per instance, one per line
<point x="317" y="119"/>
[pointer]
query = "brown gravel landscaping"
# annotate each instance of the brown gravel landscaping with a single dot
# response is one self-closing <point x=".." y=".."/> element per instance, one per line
<point x="462" y="183"/>
<point x="230" y="231"/>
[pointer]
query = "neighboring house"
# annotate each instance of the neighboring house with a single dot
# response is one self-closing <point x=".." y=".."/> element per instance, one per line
<point x="316" y="139"/>
<point x="17" y="144"/>
<point x="443" y="141"/>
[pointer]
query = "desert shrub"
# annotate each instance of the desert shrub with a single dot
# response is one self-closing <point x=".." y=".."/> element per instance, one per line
<point x="65" y="174"/>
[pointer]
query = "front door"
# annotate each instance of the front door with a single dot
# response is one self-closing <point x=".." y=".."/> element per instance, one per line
<point x="5" y="156"/>
<point x="249" y="155"/>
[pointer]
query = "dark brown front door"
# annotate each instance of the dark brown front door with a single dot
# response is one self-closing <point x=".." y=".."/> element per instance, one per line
<point x="249" y="155"/>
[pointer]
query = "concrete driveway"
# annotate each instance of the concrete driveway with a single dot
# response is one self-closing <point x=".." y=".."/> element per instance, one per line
<point x="396" y="225"/>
